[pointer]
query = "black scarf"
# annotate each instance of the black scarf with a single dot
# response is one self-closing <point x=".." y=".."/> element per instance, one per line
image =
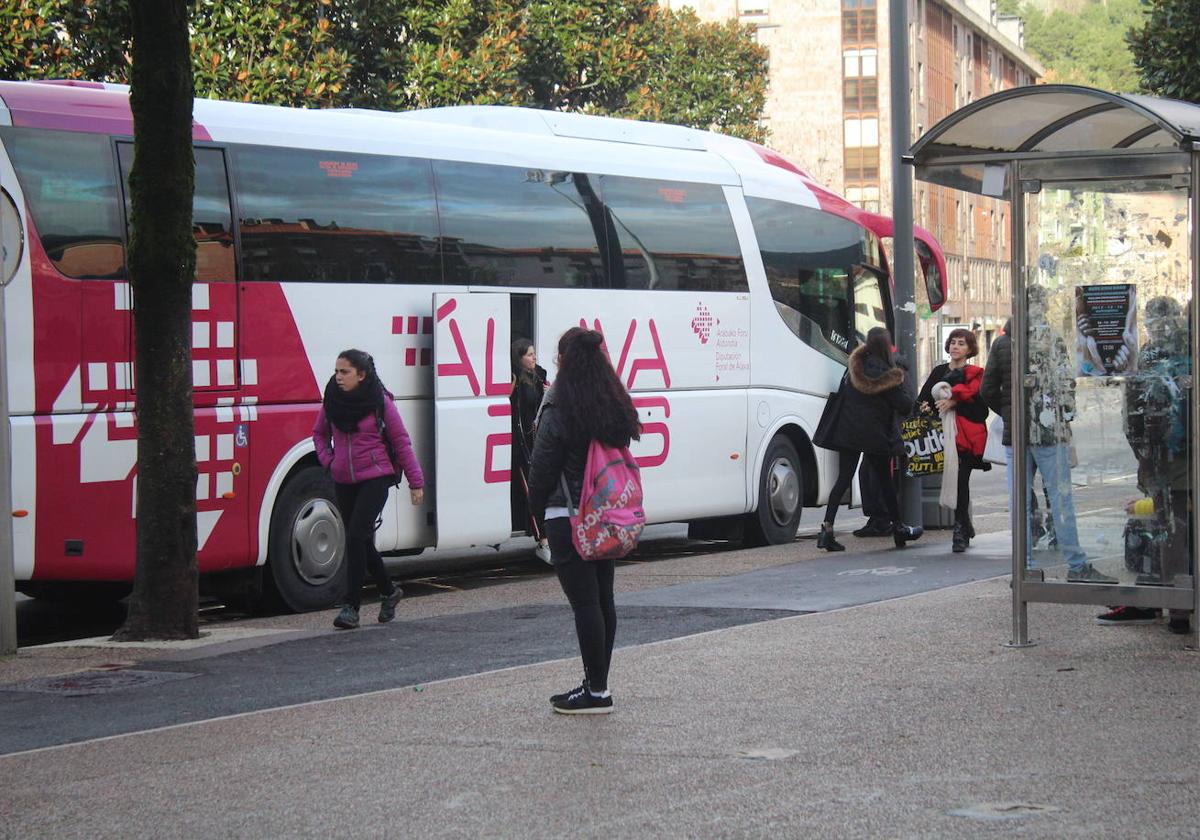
<point x="345" y="409"/>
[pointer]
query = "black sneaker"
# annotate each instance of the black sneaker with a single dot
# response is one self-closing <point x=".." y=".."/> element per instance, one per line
<point x="387" y="605"/>
<point x="583" y="702"/>
<point x="1128" y="615"/>
<point x="1087" y="574"/>
<point x="875" y="528"/>
<point x="558" y="698"/>
<point x="347" y="619"/>
<point x="1179" y="624"/>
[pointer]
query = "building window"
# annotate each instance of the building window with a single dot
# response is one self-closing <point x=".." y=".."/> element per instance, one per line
<point x="860" y="62"/>
<point x="862" y="131"/>
<point x="860" y="95"/>
<point x="754" y="11"/>
<point x="858" y="22"/>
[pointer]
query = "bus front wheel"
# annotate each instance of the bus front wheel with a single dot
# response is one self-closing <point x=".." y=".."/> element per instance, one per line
<point x="780" y="496"/>
<point x="307" y="545"/>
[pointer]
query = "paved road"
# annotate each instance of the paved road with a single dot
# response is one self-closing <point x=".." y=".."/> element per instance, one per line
<point x="317" y="664"/>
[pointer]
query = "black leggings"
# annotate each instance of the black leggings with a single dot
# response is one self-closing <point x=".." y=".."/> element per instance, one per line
<point x="588" y="585"/>
<point x="360" y="505"/>
<point x="962" y="505"/>
<point x="879" y="463"/>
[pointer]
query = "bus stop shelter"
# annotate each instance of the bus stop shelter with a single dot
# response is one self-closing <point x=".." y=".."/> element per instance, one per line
<point x="1103" y="193"/>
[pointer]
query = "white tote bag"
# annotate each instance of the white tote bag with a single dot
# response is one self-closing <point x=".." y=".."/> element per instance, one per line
<point x="994" y="449"/>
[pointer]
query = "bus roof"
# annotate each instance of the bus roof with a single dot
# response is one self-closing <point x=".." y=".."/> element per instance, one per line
<point x="100" y="107"/>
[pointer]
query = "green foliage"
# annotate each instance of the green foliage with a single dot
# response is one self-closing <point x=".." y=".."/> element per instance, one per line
<point x="625" y="58"/>
<point x="1087" y="48"/>
<point x="705" y="75"/>
<point x="1164" y="48"/>
<point x="30" y="44"/>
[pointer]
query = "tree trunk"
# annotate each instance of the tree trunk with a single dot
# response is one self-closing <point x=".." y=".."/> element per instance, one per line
<point x="162" y="266"/>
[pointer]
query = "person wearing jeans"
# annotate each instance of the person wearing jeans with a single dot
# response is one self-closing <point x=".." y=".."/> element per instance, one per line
<point x="1050" y="409"/>
<point x="1054" y="464"/>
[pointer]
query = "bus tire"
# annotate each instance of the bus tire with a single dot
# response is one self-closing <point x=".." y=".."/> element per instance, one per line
<point x="780" y="496"/>
<point x="307" y="543"/>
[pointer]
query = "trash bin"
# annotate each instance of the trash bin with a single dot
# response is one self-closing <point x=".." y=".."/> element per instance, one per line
<point x="934" y="515"/>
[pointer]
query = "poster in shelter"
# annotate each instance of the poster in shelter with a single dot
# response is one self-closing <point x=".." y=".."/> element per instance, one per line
<point x="1106" y="329"/>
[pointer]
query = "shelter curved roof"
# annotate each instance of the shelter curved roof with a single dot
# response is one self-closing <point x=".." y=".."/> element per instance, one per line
<point x="1060" y="119"/>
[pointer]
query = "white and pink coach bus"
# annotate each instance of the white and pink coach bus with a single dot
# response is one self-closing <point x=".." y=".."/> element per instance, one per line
<point x="730" y="288"/>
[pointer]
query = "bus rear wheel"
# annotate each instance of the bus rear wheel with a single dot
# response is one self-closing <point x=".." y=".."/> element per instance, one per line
<point x="306" y="552"/>
<point x="780" y="496"/>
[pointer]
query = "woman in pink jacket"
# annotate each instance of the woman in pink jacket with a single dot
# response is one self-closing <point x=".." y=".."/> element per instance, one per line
<point x="362" y="441"/>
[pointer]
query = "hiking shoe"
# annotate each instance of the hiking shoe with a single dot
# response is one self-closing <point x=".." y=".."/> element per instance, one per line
<point x="826" y="541"/>
<point x="558" y="698"/>
<point x="583" y="702"/>
<point x="1087" y="574"/>
<point x="960" y="541"/>
<point x="347" y="619"/>
<point x="542" y="552"/>
<point x="875" y="528"/>
<point x="387" y="605"/>
<point x="1128" y="615"/>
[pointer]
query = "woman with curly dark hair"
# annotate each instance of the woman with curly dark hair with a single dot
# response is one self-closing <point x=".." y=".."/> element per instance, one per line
<point x="587" y="402"/>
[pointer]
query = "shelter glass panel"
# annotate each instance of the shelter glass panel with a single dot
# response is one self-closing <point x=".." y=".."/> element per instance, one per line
<point x="1108" y="384"/>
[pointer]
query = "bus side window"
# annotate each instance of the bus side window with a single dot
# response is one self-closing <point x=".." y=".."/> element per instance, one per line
<point x="672" y="235"/>
<point x="335" y="217"/>
<point x="212" y="222"/>
<point x="510" y="226"/>
<point x="810" y="258"/>
<point x="70" y="184"/>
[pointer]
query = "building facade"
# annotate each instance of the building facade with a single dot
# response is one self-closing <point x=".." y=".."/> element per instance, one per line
<point x="828" y="108"/>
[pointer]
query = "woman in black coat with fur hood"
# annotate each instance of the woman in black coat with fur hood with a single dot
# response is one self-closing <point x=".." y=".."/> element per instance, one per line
<point x="874" y="397"/>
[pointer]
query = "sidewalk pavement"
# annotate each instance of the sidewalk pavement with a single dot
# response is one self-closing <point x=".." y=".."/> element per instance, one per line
<point x="904" y="718"/>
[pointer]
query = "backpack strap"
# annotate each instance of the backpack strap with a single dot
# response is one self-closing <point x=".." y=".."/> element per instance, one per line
<point x="562" y="481"/>
<point x="387" y="442"/>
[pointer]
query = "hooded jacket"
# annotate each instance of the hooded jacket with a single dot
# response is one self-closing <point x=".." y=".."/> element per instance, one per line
<point x="874" y="394"/>
<point x="358" y="456"/>
<point x="1051" y="406"/>
<point x="997" y="381"/>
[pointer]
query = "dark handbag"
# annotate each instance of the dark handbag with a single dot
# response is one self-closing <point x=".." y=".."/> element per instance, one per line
<point x="823" y="436"/>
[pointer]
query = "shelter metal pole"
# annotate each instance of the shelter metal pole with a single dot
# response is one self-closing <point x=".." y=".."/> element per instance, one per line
<point x="8" y="595"/>
<point x="1019" y="429"/>
<point x="1194" y="437"/>
<point x="902" y="222"/>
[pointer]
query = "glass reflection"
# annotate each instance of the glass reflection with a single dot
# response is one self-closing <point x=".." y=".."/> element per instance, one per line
<point x="1108" y="385"/>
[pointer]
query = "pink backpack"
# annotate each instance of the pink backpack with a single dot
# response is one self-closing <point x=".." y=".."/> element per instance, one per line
<point x="610" y="516"/>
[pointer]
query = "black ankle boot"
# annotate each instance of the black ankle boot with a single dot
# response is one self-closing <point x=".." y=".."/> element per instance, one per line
<point x="902" y="533"/>
<point x="826" y="541"/>
<point x="960" y="540"/>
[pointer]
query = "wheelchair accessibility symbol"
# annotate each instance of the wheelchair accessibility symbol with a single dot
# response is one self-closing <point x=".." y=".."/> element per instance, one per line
<point x="879" y="571"/>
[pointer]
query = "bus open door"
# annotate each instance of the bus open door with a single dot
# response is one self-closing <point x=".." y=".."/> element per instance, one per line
<point x="472" y="425"/>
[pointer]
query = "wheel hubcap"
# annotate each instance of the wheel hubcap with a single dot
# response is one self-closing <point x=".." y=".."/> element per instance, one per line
<point x="783" y="491"/>
<point x="318" y="542"/>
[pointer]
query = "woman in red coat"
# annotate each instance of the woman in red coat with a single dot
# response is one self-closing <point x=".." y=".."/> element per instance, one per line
<point x="970" y="422"/>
